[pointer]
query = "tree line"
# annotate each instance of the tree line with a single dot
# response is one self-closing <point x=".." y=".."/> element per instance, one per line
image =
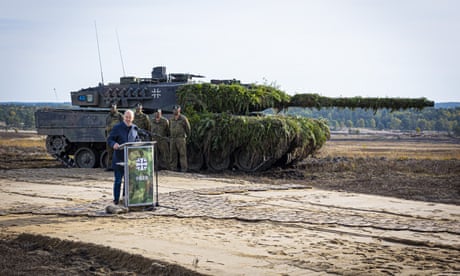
<point x="21" y="116"/>
<point x="427" y="119"/>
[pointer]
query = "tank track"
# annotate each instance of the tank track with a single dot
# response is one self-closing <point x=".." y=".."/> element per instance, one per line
<point x="65" y="160"/>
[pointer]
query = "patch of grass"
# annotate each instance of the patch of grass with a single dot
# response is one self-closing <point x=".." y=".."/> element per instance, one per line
<point x="24" y="151"/>
<point x="28" y="142"/>
<point x="399" y="150"/>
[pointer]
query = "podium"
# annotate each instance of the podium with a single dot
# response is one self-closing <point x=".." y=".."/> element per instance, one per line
<point x="141" y="177"/>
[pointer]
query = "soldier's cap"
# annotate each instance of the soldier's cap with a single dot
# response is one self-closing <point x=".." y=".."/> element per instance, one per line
<point x="139" y="105"/>
<point x="114" y="105"/>
<point x="176" y="107"/>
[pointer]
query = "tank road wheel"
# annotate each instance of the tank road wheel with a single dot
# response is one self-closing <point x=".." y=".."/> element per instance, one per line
<point x="251" y="161"/>
<point x="56" y="144"/>
<point x="85" y="158"/>
<point x="195" y="162"/>
<point x="217" y="163"/>
<point x="195" y="158"/>
<point x="104" y="160"/>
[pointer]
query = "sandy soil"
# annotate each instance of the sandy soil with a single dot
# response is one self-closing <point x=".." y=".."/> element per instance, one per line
<point x="370" y="214"/>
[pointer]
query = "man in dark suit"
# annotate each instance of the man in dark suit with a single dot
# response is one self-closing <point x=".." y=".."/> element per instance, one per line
<point x="121" y="133"/>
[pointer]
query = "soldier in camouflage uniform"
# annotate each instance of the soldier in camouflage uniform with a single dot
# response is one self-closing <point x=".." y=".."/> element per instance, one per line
<point x="141" y="120"/>
<point x="160" y="133"/>
<point x="111" y="120"/>
<point x="179" y="130"/>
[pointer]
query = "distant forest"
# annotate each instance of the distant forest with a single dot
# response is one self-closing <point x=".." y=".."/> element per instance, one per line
<point x="21" y="116"/>
<point x="428" y="119"/>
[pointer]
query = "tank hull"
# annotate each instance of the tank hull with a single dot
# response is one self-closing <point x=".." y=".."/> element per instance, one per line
<point x="76" y="137"/>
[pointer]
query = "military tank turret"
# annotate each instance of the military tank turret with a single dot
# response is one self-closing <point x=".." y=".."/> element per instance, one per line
<point x="76" y="136"/>
<point x="229" y="129"/>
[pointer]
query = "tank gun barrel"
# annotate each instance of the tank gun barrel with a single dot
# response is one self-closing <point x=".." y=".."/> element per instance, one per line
<point x="246" y="99"/>
<point x="317" y="101"/>
<point x="196" y="76"/>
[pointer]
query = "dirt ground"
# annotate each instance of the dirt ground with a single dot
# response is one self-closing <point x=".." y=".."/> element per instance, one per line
<point x="368" y="204"/>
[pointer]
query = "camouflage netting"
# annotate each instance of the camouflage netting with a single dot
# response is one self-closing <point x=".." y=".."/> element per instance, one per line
<point x="221" y="140"/>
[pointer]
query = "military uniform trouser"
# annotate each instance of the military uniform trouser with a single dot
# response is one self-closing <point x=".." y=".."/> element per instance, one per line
<point x="178" y="147"/>
<point x="163" y="154"/>
<point x="109" y="156"/>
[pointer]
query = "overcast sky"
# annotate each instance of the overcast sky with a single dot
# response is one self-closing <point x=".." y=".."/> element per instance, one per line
<point x="373" y="48"/>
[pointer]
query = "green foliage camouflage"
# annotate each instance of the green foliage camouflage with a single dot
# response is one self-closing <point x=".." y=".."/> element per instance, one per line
<point x="234" y="99"/>
<point x="317" y="101"/>
<point x="223" y="135"/>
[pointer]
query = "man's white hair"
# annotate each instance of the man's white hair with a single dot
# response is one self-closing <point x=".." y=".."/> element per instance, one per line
<point x="130" y="111"/>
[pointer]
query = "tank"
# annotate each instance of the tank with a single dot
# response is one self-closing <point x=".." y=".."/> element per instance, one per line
<point x="234" y="126"/>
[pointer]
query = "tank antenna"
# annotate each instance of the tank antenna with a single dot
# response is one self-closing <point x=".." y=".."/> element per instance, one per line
<point x="99" y="53"/>
<point x="121" y="56"/>
<point x="55" y="94"/>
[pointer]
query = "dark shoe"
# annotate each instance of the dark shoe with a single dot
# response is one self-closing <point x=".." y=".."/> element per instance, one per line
<point x="115" y="202"/>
